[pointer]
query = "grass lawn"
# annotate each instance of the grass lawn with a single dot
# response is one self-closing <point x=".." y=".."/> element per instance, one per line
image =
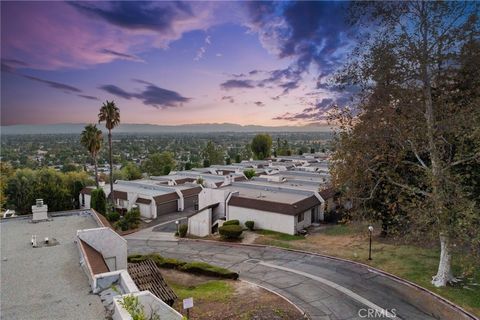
<point x="415" y="263"/>
<point x="214" y="290"/>
<point x="279" y="236"/>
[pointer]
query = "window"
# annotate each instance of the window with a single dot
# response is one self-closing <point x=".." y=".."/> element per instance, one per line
<point x="301" y="217"/>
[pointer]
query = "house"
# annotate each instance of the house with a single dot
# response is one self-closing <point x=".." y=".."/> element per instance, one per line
<point x="271" y="207"/>
<point x="153" y="198"/>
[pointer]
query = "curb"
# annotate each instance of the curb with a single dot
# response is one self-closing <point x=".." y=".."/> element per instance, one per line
<point x="370" y="268"/>
<point x="305" y="315"/>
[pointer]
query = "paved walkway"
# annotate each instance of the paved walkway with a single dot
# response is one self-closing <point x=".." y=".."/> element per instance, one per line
<point x="322" y="287"/>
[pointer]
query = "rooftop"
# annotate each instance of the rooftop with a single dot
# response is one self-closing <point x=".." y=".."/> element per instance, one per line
<point x="47" y="281"/>
<point x="268" y="193"/>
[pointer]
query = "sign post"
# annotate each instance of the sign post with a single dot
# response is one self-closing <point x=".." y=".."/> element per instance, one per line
<point x="187" y="304"/>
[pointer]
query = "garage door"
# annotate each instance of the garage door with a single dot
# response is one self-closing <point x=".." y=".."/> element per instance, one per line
<point x="189" y="202"/>
<point x="167" y="207"/>
<point x="144" y="210"/>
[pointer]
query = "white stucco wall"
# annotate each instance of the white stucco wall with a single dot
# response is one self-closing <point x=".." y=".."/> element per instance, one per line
<point x="108" y="243"/>
<point x="200" y="225"/>
<point x="209" y="196"/>
<point x="263" y="219"/>
<point x="87" y="201"/>
<point x="151" y="304"/>
<point x="307" y="221"/>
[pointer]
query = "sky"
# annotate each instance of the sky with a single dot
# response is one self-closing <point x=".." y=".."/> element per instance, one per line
<point x="262" y="63"/>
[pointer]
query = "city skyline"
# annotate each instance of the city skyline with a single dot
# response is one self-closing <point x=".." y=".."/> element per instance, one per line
<point x="260" y="63"/>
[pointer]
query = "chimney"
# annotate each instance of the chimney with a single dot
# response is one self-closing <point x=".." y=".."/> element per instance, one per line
<point x="39" y="211"/>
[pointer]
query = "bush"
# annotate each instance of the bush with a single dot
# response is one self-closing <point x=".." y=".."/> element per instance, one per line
<point x="98" y="201"/>
<point x="231" y="223"/>
<point x="208" y="270"/>
<point x="168" y="263"/>
<point x="182" y="230"/>
<point x="249" y="173"/>
<point x="130" y="220"/>
<point x="113" y="216"/>
<point x="333" y="216"/>
<point x="230" y="231"/>
<point x="249" y="225"/>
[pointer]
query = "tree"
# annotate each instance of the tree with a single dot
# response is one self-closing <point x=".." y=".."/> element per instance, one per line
<point x="261" y="146"/>
<point x="51" y="188"/>
<point x="213" y="153"/>
<point x="237" y="158"/>
<point x="228" y="161"/>
<point x="74" y="182"/>
<point x="413" y="122"/>
<point x="92" y="138"/>
<point x="20" y="190"/>
<point x="188" y="166"/>
<point x="159" y="163"/>
<point x="110" y="114"/>
<point x="98" y="201"/>
<point x="131" y="171"/>
<point x="6" y="171"/>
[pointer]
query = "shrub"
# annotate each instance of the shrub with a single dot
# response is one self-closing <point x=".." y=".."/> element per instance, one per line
<point x="130" y="220"/>
<point x="230" y="231"/>
<point x="98" y="201"/>
<point x="208" y="270"/>
<point x="182" y="230"/>
<point x="249" y="173"/>
<point x="191" y="267"/>
<point x="249" y="225"/>
<point x="231" y="223"/>
<point x="113" y="216"/>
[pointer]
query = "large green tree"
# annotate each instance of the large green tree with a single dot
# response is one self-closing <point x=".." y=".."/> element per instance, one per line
<point x="110" y="114"/>
<point x="159" y="164"/>
<point x="414" y="127"/>
<point x="262" y="146"/>
<point x="213" y="154"/>
<point x="92" y="138"/>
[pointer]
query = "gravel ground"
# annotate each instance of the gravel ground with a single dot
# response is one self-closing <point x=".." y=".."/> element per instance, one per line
<point x="45" y="282"/>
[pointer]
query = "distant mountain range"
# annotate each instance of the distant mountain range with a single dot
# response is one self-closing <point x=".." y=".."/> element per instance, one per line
<point x="153" y="128"/>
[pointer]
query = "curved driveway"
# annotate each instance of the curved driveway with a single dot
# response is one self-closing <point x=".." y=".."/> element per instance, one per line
<point x="323" y="288"/>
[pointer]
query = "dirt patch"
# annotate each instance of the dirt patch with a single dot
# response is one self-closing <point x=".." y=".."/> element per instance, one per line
<point x="237" y="300"/>
<point x="183" y="278"/>
<point x="249" y="237"/>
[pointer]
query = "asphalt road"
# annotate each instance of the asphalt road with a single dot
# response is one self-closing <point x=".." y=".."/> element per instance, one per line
<point x="323" y="288"/>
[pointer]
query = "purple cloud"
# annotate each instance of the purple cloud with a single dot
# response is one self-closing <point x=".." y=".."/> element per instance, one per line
<point x="152" y="95"/>
<point x="235" y="84"/>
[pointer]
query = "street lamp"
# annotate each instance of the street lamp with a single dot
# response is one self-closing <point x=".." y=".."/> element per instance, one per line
<point x="370" y="230"/>
<point x="177" y="223"/>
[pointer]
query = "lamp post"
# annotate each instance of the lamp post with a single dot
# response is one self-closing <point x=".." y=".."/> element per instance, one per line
<point x="370" y="230"/>
<point x="177" y="223"/>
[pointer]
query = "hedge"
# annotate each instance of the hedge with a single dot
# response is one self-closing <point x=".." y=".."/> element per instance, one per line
<point x="182" y="230"/>
<point x="249" y="225"/>
<point x="230" y="231"/>
<point x="98" y="201"/>
<point x="208" y="270"/>
<point x="231" y="223"/>
<point x="190" y="267"/>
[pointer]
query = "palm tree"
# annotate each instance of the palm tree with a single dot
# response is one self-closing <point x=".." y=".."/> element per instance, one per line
<point x="110" y="113"/>
<point x="91" y="139"/>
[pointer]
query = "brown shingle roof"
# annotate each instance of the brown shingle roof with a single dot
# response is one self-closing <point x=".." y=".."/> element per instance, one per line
<point x="327" y="193"/>
<point x="119" y="195"/>
<point x="166" y="198"/>
<point x="277" y="207"/>
<point x="240" y="178"/>
<point x="86" y="190"/>
<point x="147" y="276"/>
<point x="191" y="191"/>
<point x="95" y="258"/>
<point x="143" y="200"/>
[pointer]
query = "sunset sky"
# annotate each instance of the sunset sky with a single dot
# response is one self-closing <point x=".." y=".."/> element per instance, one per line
<point x="264" y="63"/>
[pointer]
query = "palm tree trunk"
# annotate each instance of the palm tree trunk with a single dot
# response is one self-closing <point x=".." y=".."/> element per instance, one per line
<point x="111" y="164"/>
<point x="95" y="163"/>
